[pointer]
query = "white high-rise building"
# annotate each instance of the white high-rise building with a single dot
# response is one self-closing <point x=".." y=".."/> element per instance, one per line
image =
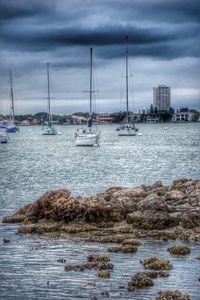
<point x="162" y="98"/>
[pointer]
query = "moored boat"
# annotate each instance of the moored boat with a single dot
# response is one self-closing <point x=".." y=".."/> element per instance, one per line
<point x="88" y="136"/>
<point x="50" y="128"/>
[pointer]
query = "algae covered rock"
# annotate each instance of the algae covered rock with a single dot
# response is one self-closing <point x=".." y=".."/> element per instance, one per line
<point x="139" y="281"/>
<point x="172" y="295"/>
<point x="123" y="249"/>
<point x="98" y="257"/>
<point x="155" y="263"/>
<point x="131" y="242"/>
<point x="141" y="209"/>
<point x="179" y="250"/>
<point x="103" y="274"/>
<point x="151" y="220"/>
<point x="90" y="265"/>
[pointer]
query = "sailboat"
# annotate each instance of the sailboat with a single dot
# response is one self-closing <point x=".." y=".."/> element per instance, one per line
<point x="49" y="129"/>
<point x="4" y="138"/>
<point x="11" y="125"/>
<point x="127" y="128"/>
<point x="88" y="136"/>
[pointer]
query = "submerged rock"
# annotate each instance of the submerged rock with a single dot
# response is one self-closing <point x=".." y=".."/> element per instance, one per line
<point x="131" y="242"/>
<point x="123" y="249"/>
<point x="139" y="281"/>
<point x="179" y="250"/>
<point x="97" y="257"/>
<point x="103" y="274"/>
<point x="6" y="241"/>
<point x="90" y="265"/>
<point x="172" y="295"/>
<point x="155" y="263"/>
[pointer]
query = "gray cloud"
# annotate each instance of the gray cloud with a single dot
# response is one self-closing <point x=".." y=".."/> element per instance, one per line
<point x="33" y="32"/>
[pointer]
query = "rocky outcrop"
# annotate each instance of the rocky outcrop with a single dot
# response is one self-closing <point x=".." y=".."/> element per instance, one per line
<point x="144" y="208"/>
<point x="155" y="263"/>
<point x="179" y="250"/>
<point x="175" y="295"/>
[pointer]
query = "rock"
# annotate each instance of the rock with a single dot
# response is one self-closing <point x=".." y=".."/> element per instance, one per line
<point x="18" y="217"/>
<point x="155" y="263"/>
<point x="151" y="220"/>
<point x="131" y="242"/>
<point x="6" y="241"/>
<point x="144" y="211"/>
<point x="174" y="195"/>
<point x="155" y="274"/>
<point x="152" y="201"/>
<point x="179" y="250"/>
<point x="103" y="274"/>
<point x="93" y="298"/>
<point x="97" y="257"/>
<point x="139" y="281"/>
<point x="190" y="219"/>
<point x="61" y="260"/>
<point x="90" y="265"/>
<point x="123" y="249"/>
<point x="157" y="184"/>
<point x="169" y="295"/>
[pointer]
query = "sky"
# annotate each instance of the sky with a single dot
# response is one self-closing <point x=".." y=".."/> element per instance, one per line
<point x="163" y="47"/>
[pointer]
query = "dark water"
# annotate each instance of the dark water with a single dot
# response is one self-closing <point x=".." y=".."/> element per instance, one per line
<point x="32" y="164"/>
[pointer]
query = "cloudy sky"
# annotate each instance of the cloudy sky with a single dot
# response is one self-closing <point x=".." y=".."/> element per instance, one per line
<point x="164" y="48"/>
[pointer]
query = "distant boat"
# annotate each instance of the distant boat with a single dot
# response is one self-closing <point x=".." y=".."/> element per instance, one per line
<point x="11" y="128"/>
<point x="88" y="136"/>
<point x="49" y="129"/>
<point x="4" y="138"/>
<point x="127" y="128"/>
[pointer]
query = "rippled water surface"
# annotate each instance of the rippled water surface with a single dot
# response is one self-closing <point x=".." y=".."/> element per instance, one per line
<point x="32" y="164"/>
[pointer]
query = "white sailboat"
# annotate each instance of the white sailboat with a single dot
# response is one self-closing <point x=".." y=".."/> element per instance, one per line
<point x="11" y="128"/>
<point x="49" y="129"/>
<point x="127" y="128"/>
<point x="88" y="136"/>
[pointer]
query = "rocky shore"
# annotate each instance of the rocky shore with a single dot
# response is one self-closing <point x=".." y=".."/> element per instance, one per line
<point x="124" y="216"/>
<point x="158" y="211"/>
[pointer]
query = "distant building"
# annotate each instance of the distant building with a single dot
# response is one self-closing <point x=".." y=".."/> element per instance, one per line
<point x="104" y="118"/>
<point x="161" y="98"/>
<point x="152" y="119"/>
<point x="183" y="116"/>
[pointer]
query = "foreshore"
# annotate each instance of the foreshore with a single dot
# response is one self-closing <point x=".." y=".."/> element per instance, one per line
<point x="157" y="211"/>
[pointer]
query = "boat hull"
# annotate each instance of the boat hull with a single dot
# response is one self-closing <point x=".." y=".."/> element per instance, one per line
<point x="4" y="138"/>
<point x="12" y="129"/>
<point x="126" y="133"/>
<point x="49" y="131"/>
<point x="88" y="139"/>
<point x="126" y="130"/>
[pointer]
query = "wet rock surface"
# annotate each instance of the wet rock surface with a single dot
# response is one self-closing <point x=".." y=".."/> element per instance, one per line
<point x="123" y="249"/>
<point x="158" y="211"/>
<point x="179" y="250"/>
<point x="172" y="295"/>
<point x="155" y="263"/>
<point x="140" y="280"/>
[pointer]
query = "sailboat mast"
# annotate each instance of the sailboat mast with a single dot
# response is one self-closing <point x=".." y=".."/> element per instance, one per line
<point x="127" y="114"/>
<point x="91" y="82"/>
<point x="48" y="92"/>
<point x="12" y="98"/>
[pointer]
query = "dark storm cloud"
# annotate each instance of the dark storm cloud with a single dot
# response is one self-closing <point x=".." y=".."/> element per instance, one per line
<point x="17" y="9"/>
<point x="160" y="33"/>
<point x="48" y="27"/>
<point x="142" y="41"/>
<point x="176" y="11"/>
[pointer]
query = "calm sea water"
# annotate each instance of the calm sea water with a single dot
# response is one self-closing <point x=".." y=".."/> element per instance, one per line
<point x="31" y="164"/>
